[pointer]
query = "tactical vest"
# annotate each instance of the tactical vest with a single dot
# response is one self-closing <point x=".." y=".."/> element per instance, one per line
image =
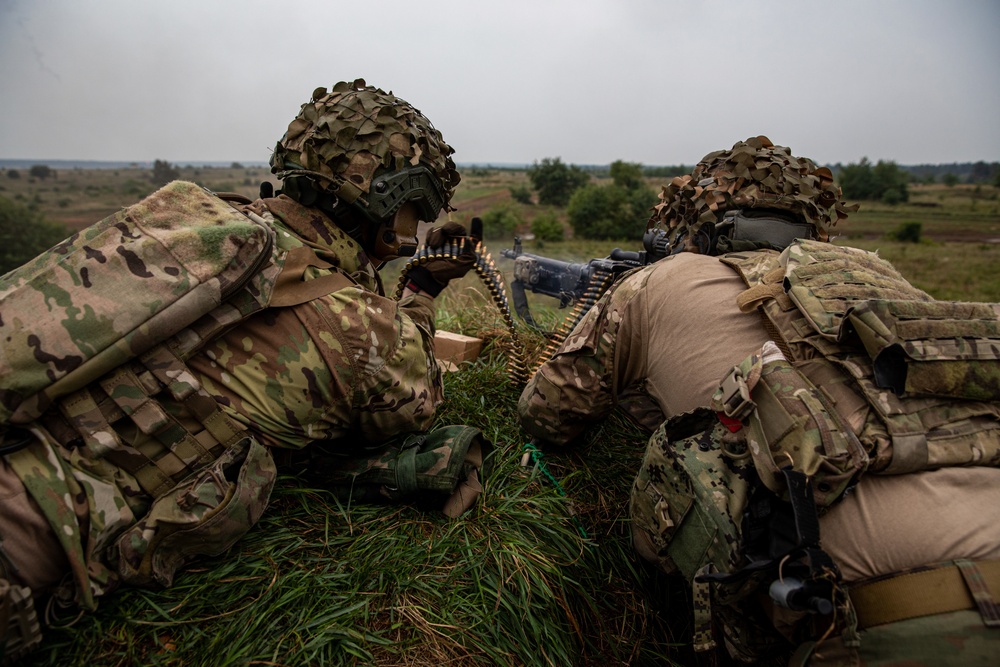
<point x="864" y="374"/>
<point x="876" y="375"/>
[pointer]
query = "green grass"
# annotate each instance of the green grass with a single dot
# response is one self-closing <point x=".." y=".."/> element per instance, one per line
<point x="528" y="577"/>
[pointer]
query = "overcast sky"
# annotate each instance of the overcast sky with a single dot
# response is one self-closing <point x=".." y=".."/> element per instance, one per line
<point x="660" y="82"/>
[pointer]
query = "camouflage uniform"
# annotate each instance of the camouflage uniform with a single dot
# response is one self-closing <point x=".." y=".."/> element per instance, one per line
<point x="351" y="363"/>
<point x="657" y="344"/>
<point x="132" y="474"/>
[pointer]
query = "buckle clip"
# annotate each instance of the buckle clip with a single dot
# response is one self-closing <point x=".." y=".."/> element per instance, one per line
<point x="734" y="395"/>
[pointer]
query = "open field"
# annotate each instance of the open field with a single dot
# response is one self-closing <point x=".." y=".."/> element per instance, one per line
<point x="540" y="572"/>
<point x="959" y="258"/>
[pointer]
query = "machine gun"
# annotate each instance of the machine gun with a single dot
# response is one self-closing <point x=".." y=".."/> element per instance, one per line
<point x="581" y="284"/>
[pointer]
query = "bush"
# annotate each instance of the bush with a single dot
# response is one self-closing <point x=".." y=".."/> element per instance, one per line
<point x="521" y="194"/>
<point x="626" y="174"/>
<point x="13" y="173"/>
<point x="884" y="181"/>
<point x="40" y="171"/>
<point x="24" y="234"/>
<point x="500" y="222"/>
<point x="547" y="227"/>
<point x="893" y="196"/>
<point x="164" y="172"/>
<point x="908" y="232"/>
<point x="610" y="211"/>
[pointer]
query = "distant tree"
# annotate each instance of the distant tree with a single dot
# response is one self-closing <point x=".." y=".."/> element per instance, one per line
<point x="981" y="172"/>
<point x="610" y="211"/>
<point x="616" y="211"/>
<point x="24" y="233"/>
<point x="236" y="165"/>
<point x="13" y="173"/>
<point x="164" y="172"/>
<point x="891" y="183"/>
<point x="950" y="179"/>
<point x="884" y="181"/>
<point x="666" y="172"/>
<point x="996" y="179"/>
<point x="555" y="182"/>
<point x="627" y="174"/>
<point x="40" y="171"/>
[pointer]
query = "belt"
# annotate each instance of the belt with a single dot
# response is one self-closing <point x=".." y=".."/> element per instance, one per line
<point x="964" y="584"/>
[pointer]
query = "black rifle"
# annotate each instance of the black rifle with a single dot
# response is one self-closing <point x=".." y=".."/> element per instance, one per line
<point x="570" y="282"/>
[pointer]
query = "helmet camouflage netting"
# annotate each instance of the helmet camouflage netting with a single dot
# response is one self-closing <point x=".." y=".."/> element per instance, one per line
<point x="753" y="174"/>
<point x="341" y="139"/>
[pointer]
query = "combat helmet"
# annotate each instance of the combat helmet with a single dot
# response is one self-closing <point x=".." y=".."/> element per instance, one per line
<point x="359" y="150"/>
<point x="754" y="195"/>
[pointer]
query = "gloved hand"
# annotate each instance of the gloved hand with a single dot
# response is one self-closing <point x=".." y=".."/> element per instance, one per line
<point x="433" y="276"/>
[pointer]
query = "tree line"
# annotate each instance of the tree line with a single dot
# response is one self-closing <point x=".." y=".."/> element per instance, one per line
<point x="621" y="208"/>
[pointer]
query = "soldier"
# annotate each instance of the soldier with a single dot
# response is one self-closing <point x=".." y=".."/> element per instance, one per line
<point x="737" y="355"/>
<point x="170" y="457"/>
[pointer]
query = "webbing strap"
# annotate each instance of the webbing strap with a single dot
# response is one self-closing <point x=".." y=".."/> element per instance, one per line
<point x="181" y="452"/>
<point x="963" y="585"/>
<point x="19" y="627"/>
<point x="469" y="489"/>
<point x="168" y="368"/>
<point x="290" y="289"/>
<point x="701" y="599"/>
<point x="749" y="299"/>
<point x="131" y="392"/>
<point x="406" y="469"/>
<point x="85" y="416"/>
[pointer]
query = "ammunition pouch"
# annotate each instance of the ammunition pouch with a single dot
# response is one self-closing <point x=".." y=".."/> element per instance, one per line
<point x="204" y="515"/>
<point x="791" y="423"/>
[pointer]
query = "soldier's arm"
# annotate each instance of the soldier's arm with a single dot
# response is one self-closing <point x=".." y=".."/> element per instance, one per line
<point x="399" y="387"/>
<point x="579" y="386"/>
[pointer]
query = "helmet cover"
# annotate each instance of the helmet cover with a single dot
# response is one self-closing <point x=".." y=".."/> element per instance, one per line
<point x="343" y="139"/>
<point x="753" y="174"/>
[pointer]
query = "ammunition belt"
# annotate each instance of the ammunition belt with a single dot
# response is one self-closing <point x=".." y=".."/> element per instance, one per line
<point x="599" y="283"/>
<point x="492" y="279"/>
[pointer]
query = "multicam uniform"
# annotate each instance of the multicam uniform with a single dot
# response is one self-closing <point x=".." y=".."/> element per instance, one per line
<point x="351" y="365"/>
<point x="658" y="344"/>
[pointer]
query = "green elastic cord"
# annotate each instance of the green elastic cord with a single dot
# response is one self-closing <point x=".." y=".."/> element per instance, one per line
<point x="536" y="457"/>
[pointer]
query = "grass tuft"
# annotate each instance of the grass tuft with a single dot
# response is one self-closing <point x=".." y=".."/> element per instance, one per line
<point x="317" y="581"/>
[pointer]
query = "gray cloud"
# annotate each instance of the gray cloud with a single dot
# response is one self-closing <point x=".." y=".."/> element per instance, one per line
<point x="591" y="81"/>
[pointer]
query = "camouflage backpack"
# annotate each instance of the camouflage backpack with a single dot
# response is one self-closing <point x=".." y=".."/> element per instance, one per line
<point x="729" y="495"/>
<point x="181" y="258"/>
<point x="96" y="334"/>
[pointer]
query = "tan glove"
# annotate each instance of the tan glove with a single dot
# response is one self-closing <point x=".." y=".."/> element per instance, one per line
<point x="433" y="276"/>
